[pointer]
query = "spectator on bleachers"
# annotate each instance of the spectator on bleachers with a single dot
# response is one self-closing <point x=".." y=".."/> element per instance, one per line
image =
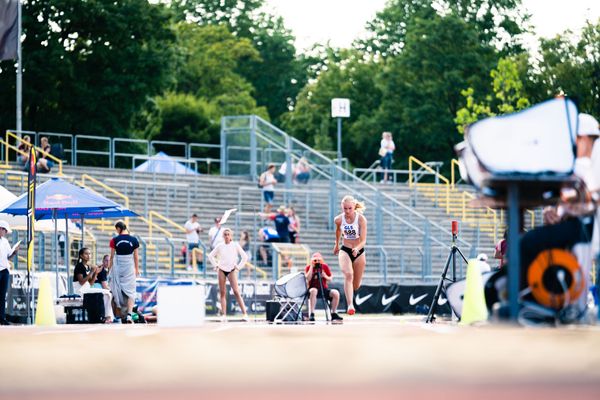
<point x="44" y="163"/>
<point x="215" y="234"/>
<point x="281" y="173"/>
<point x="267" y="183"/>
<point x="386" y="152"/>
<point x="245" y="245"/>
<point x="302" y="171"/>
<point x="192" y="236"/>
<point x="266" y="235"/>
<point x="282" y="223"/>
<point x="294" y="227"/>
<point x="24" y="146"/>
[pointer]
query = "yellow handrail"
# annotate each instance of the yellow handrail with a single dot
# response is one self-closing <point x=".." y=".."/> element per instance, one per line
<point x="488" y="210"/>
<point x="151" y="224"/>
<point x="167" y="220"/>
<point x="412" y="159"/>
<point x="7" y="146"/>
<point x="464" y="203"/>
<point x="452" y="175"/>
<point x="259" y="270"/>
<point x="54" y="158"/>
<point x="105" y="187"/>
<point x="532" y="213"/>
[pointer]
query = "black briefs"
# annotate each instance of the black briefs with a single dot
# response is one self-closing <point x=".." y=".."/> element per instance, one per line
<point x="348" y="251"/>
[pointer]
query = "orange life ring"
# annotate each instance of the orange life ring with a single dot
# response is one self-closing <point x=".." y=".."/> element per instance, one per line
<point x="544" y="283"/>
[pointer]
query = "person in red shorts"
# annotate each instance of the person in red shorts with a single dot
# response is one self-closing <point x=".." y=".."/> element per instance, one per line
<point x="312" y="271"/>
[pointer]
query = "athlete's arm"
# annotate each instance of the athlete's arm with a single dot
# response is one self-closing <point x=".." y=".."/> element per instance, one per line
<point x="338" y="233"/>
<point x="362" y="225"/>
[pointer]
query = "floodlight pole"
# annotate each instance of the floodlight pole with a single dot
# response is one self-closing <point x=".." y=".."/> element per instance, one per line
<point x="19" y="71"/>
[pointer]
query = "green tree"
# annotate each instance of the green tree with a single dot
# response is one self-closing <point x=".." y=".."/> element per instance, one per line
<point x="180" y="117"/>
<point x="237" y="15"/>
<point x="208" y="87"/>
<point x="345" y="74"/>
<point x="508" y="95"/>
<point x="210" y="59"/>
<point x="278" y="75"/>
<point x="421" y="87"/>
<point x="89" y="66"/>
<point x="571" y="66"/>
<point x="496" y="22"/>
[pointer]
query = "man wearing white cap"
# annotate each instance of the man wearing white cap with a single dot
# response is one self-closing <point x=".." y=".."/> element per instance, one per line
<point x="6" y="253"/>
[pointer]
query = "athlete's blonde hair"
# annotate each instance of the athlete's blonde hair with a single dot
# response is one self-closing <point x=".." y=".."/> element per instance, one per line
<point x="359" y="206"/>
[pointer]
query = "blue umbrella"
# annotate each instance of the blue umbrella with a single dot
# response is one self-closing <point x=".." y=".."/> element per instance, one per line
<point x="57" y="198"/>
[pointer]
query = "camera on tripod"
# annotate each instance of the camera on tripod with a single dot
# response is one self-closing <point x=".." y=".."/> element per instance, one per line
<point x="317" y="266"/>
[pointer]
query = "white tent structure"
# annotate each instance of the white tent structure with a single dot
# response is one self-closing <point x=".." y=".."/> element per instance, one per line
<point x="165" y="164"/>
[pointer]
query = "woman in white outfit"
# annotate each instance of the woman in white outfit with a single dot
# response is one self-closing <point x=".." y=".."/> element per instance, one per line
<point x="386" y="152"/>
<point x="227" y="258"/>
<point x="124" y="269"/>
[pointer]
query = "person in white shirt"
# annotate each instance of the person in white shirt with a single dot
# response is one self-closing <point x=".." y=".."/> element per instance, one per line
<point x="215" y="234"/>
<point x="192" y="235"/>
<point x="267" y="183"/>
<point x="386" y="152"/>
<point x="6" y="253"/>
<point x="227" y="258"/>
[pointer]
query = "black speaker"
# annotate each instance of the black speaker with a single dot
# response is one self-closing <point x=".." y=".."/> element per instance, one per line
<point x="93" y="303"/>
<point x="272" y="308"/>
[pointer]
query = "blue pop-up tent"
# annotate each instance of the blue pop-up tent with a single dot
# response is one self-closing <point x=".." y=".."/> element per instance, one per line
<point x="58" y="199"/>
<point x="164" y="164"/>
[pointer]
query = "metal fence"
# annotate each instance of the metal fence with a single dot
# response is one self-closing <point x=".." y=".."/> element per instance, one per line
<point x="102" y="151"/>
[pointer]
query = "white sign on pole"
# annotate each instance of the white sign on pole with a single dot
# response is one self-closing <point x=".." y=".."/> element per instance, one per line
<point x="340" y="108"/>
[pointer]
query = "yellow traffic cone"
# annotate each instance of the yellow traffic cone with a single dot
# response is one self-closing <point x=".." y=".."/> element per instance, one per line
<point x="44" y="315"/>
<point x="474" y="308"/>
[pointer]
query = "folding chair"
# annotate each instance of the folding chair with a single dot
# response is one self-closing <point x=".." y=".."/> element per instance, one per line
<point x="292" y="293"/>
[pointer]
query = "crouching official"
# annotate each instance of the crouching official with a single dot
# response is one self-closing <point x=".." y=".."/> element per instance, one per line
<point x="317" y="268"/>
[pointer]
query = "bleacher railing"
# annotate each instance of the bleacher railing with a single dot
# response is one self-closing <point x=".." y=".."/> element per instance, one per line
<point x="8" y="146"/>
<point x="247" y="140"/>
<point x="110" y="152"/>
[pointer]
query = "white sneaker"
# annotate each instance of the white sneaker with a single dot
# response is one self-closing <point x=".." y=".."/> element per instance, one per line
<point x="223" y="319"/>
<point x="245" y="318"/>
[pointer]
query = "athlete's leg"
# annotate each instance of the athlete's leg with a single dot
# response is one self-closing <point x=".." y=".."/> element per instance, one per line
<point x="223" y="292"/>
<point x="236" y="291"/>
<point x="346" y="267"/>
<point x="359" y="269"/>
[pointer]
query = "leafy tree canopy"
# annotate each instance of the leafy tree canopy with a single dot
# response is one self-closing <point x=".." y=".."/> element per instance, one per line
<point x="508" y="96"/>
<point x="89" y="66"/>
